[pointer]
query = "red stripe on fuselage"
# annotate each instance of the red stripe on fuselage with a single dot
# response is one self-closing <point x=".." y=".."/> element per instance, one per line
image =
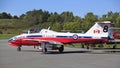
<point x="31" y="42"/>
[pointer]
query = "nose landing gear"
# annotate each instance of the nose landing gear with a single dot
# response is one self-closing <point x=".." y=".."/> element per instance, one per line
<point x="19" y="49"/>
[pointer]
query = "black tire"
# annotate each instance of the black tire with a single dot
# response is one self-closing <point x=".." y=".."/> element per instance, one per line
<point x="34" y="47"/>
<point x="82" y="45"/>
<point x="19" y="49"/>
<point x="114" y="46"/>
<point x="88" y="47"/>
<point x="61" y="49"/>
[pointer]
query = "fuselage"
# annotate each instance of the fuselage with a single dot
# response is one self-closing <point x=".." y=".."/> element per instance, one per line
<point x="65" y="38"/>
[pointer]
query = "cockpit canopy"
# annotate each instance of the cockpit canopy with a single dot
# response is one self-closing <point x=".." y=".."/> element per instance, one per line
<point x="32" y="30"/>
<point x="35" y="30"/>
<point x="38" y="30"/>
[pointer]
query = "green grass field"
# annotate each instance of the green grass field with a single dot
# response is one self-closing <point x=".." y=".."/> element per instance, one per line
<point x="6" y="36"/>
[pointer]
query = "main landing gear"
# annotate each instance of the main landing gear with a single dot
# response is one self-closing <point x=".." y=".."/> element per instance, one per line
<point x="44" y="48"/>
<point x="61" y="49"/>
<point x="19" y="49"/>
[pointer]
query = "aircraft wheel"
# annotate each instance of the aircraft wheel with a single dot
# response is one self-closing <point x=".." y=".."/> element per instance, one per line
<point x="19" y="49"/>
<point x="87" y="46"/>
<point x="114" y="46"/>
<point x="61" y="49"/>
<point x="82" y="45"/>
<point x="34" y="47"/>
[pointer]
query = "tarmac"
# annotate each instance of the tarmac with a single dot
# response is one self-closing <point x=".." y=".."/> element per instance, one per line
<point x="71" y="58"/>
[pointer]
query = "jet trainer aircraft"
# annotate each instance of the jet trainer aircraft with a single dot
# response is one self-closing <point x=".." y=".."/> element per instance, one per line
<point x="49" y="39"/>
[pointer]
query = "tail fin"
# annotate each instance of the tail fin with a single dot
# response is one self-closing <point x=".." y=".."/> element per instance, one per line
<point x="100" y="29"/>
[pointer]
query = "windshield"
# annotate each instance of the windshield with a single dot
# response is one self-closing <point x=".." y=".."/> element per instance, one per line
<point x="35" y="30"/>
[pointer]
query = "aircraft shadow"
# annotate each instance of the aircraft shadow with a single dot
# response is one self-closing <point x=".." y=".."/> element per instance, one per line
<point x="67" y="52"/>
<point x="56" y="52"/>
<point x="85" y="52"/>
<point x="75" y="52"/>
<point x="30" y="51"/>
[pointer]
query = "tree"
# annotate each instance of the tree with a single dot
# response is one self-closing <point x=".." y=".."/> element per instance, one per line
<point x="117" y="24"/>
<point x="44" y="19"/>
<point x="22" y="16"/>
<point x="15" y="17"/>
<point x="54" y="18"/>
<point x="77" y="19"/>
<point x="104" y="18"/>
<point x="34" y="17"/>
<point x="5" y="15"/>
<point x="90" y="18"/>
<point x="46" y="15"/>
<point x="110" y="16"/>
<point x="67" y="16"/>
<point x="72" y="26"/>
<point x="57" y="27"/>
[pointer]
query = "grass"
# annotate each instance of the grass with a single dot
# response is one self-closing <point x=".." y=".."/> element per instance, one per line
<point x="6" y="36"/>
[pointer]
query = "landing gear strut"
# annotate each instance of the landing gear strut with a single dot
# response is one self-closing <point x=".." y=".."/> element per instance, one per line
<point x="34" y="47"/>
<point x="114" y="46"/>
<point x="61" y="49"/>
<point x="88" y="46"/>
<point x="44" y="49"/>
<point x="82" y="45"/>
<point x="19" y="49"/>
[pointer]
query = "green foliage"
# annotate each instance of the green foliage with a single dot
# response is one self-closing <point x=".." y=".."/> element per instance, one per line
<point x="6" y="36"/>
<point x="110" y="16"/>
<point x="1" y="32"/>
<point x="54" y="18"/>
<point x="117" y="24"/>
<point x="57" y="27"/>
<point x="73" y="26"/>
<point x="67" y="16"/>
<point x="43" y="19"/>
<point x="90" y="19"/>
<point x="5" y="15"/>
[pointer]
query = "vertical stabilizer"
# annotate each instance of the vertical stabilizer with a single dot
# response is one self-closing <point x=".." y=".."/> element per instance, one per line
<point x="100" y="29"/>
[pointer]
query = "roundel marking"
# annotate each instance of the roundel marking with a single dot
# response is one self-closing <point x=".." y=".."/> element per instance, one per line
<point x="75" y="36"/>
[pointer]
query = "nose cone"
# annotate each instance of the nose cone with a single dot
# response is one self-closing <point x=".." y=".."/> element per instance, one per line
<point x="9" y="40"/>
<point x="12" y="39"/>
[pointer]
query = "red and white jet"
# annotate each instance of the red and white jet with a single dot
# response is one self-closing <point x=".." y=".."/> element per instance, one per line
<point x="49" y="39"/>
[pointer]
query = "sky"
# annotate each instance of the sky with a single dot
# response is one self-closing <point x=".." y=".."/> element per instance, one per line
<point x="78" y="7"/>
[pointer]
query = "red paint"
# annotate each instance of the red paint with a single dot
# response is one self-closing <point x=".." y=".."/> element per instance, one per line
<point x="30" y="42"/>
<point x="96" y="31"/>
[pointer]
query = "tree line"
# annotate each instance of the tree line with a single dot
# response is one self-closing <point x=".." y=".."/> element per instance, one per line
<point x="43" y="19"/>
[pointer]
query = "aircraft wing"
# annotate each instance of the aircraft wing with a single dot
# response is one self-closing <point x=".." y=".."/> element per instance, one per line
<point x="45" y="41"/>
<point x="51" y="42"/>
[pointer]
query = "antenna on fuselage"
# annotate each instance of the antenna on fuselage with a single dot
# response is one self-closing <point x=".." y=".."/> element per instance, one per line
<point x="28" y="31"/>
<point x="49" y="28"/>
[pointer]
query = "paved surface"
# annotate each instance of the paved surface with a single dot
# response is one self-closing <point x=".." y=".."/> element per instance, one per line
<point x="71" y="58"/>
